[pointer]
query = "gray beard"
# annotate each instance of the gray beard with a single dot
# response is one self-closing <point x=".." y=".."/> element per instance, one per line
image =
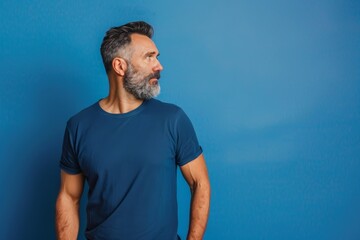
<point x="138" y="85"/>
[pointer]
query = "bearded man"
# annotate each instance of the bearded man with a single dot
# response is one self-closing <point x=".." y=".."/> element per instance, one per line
<point x="127" y="147"/>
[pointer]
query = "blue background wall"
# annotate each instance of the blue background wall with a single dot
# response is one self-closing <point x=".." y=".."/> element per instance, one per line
<point x="272" y="88"/>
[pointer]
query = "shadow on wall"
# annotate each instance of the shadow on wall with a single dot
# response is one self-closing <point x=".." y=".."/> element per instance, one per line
<point x="35" y="152"/>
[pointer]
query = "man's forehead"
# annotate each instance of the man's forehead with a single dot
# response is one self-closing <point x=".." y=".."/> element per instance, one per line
<point x="142" y="43"/>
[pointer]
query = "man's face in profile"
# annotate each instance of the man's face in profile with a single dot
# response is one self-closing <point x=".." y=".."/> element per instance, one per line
<point x="143" y="68"/>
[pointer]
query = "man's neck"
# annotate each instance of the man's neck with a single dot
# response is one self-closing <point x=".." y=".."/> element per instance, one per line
<point x="119" y="100"/>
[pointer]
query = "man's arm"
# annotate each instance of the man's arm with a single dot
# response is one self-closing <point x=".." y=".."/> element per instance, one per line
<point x="67" y="206"/>
<point x="195" y="174"/>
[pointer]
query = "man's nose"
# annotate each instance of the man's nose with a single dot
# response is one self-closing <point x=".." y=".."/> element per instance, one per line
<point x="158" y="66"/>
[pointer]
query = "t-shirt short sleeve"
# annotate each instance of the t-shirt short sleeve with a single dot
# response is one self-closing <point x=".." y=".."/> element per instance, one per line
<point x="187" y="145"/>
<point x="69" y="161"/>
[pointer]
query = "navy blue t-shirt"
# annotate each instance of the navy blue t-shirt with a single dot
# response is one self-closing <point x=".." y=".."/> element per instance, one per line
<point x="130" y="161"/>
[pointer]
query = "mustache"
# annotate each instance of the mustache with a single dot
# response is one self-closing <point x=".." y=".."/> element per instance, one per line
<point x="154" y="75"/>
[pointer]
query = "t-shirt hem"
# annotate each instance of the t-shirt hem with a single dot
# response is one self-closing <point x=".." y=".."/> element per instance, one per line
<point x="193" y="157"/>
<point x="69" y="170"/>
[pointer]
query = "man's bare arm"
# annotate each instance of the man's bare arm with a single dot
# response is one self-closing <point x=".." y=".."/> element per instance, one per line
<point x="67" y="206"/>
<point x="195" y="174"/>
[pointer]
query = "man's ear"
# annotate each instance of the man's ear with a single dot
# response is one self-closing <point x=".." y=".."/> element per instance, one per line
<point x="119" y="65"/>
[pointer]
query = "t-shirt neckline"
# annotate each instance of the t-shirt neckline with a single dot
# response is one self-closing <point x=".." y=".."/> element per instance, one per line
<point x="122" y="115"/>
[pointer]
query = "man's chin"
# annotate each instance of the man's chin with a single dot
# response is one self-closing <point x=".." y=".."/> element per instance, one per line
<point x="156" y="91"/>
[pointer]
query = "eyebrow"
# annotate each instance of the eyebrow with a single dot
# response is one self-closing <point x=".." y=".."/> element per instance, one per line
<point x="152" y="53"/>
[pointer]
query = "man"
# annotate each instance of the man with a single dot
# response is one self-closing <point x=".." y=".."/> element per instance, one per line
<point x="128" y="146"/>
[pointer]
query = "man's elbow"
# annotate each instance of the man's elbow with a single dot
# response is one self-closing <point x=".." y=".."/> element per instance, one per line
<point x="202" y="185"/>
<point x="66" y="201"/>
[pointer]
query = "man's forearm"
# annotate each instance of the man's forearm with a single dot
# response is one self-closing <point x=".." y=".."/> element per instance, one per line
<point x="199" y="212"/>
<point x="67" y="218"/>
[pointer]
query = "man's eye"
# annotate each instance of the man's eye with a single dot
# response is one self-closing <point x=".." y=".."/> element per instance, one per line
<point x="150" y="57"/>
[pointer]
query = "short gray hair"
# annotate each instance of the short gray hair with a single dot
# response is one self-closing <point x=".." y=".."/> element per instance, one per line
<point x="118" y="38"/>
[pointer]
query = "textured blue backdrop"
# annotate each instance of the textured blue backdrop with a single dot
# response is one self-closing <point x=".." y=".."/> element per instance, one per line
<point x="272" y="88"/>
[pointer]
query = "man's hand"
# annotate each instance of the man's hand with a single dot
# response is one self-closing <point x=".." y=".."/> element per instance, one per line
<point x="67" y="206"/>
<point x="195" y="174"/>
